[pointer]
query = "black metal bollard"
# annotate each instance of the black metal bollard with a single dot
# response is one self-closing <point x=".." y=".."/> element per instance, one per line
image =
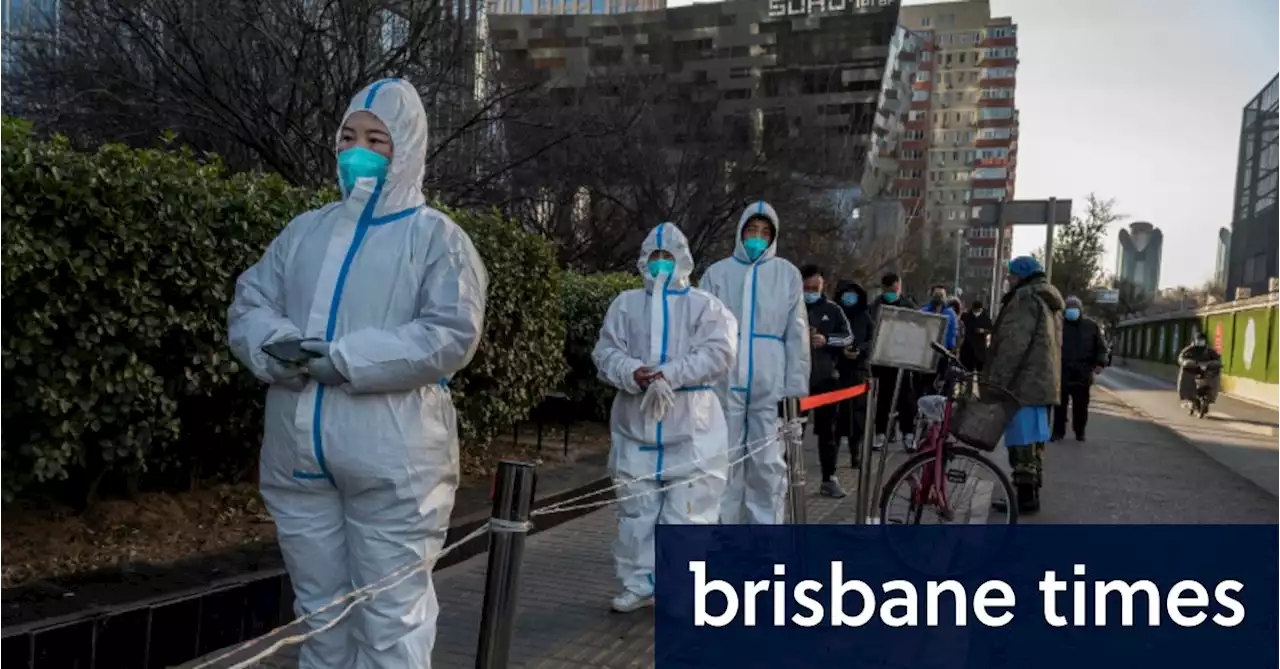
<point x="796" y="502"/>
<point x="508" y="529"/>
<point x="866" y="496"/>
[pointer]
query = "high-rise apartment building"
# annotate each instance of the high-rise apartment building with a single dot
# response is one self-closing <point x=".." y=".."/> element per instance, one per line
<point x="574" y="6"/>
<point x="961" y="143"/>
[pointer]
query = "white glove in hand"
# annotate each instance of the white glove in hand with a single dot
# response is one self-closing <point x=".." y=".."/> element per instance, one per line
<point x="658" y="400"/>
<point x="293" y="378"/>
<point x="322" y="368"/>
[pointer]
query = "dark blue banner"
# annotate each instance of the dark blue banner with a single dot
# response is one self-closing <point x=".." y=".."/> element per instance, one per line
<point x="1024" y="596"/>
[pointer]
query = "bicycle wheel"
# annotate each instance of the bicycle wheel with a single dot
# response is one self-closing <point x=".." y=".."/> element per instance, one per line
<point x="977" y="491"/>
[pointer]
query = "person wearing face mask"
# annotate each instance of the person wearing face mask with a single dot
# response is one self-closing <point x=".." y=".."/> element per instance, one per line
<point x="1196" y="359"/>
<point x="1084" y="355"/>
<point x="664" y="348"/>
<point x="764" y="292"/>
<point x="891" y="296"/>
<point x="938" y="305"/>
<point x="1025" y="361"/>
<point x="977" y="327"/>
<point x="359" y="461"/>
<point x="853" y="364"/>
<point x="828" y="336"/>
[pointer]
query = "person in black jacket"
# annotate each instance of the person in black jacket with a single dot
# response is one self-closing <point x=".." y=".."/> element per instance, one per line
<point x="853" y="364"/>
<point x="977" y="327"/>
<point x="891" y="295"/>
<point x="828" y="336"/>
<point x="1084" y="354"/>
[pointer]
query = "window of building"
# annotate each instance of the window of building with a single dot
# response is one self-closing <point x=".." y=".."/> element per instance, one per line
<point x="925" y="21"/>
<point x="989" y="193"/>
<point x="994" y="133"/>
<point x="919" y="96"/>
<point x="961" y="58"/>
<point x="989" y="113"/>
<point x="738" y="94"/>
<point x="926" y="56"/>
<point x="1001" y="52"/>
<point x="922" y="76"/>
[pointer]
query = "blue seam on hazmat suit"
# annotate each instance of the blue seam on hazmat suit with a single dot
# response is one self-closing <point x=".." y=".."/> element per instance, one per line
<point x="366" y="221"/>
<point x="662" y="360"/>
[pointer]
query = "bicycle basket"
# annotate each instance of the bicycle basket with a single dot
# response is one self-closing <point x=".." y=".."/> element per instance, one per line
<point x="979" y="418"/>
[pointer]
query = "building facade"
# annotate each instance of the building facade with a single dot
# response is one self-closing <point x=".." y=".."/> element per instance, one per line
<point x="573" y="6"/>
<point x="839" y="70"/>
<point x="1221" y="260"/>
<point x="961" y="143"/>
<point x="1138" y="257"/>
<point x="22" y="18"/>
<point x="1251" y="264"/>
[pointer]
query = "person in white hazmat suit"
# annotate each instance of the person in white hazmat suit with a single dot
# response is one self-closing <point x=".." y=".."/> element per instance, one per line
<point x="664" y="348"/>
<point x="765" y="294"/>
<point x="359" y="457"/>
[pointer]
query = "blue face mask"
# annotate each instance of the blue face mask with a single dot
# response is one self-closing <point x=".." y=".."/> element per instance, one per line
<point x="849" y="299"/>
<point x="661" y="266"/>
<point x="358" y="163"/>
<point x="812" y="297"/>
<point x="891" y="296"/>
<point x="755" y="246"/>
<point x="1072" y="313"/>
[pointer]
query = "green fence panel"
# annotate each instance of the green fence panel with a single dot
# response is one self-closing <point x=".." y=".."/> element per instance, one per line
<point x="1220" y="329"/>
<point x="1249" y="344"/>
<point x="1273" y="355"/>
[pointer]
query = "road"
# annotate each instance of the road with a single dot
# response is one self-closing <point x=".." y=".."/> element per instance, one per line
<point x="1145" y="462"/>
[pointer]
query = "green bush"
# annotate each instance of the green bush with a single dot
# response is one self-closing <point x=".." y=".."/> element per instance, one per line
<point x="118" y="267"/>
<point x="520" y="358"/>
<point x="586" y="299"/>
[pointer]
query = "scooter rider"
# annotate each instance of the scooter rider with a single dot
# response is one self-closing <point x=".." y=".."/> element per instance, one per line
<point x="1196" y="359"/>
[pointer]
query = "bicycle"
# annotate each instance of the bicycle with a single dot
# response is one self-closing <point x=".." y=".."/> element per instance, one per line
<point x="939" y="463"/>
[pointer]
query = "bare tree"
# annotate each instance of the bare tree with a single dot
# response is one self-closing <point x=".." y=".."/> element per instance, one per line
<point x="263" y="83"/>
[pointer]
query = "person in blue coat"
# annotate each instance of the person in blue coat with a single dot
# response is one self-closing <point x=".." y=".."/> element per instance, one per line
<point x="938" y="305"/>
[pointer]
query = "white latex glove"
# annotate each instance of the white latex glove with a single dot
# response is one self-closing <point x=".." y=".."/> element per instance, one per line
<point x="658" y="400"/>
<point x="289" y="376"/>
<point x="322" y="368"/>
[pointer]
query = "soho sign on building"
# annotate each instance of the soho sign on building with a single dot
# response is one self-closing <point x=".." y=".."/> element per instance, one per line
<point x="779" y="8"/>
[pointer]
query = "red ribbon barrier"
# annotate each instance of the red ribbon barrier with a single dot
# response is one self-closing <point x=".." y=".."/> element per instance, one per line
<point x="814" y="401"/>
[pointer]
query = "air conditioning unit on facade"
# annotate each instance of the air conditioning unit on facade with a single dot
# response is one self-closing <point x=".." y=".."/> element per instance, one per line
<point x="1273" y="284"/>
<point x="1243" y="292"/>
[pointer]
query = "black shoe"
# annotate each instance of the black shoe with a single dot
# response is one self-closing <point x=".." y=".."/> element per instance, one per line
<point x="1079" y="436"/>
<point x="1028" y="497"/>
<point x="1057" y="437"/>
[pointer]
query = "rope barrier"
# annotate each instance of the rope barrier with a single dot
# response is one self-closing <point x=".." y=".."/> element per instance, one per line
<point x="356" y="596"/>
<point x="814" y="401"/>
<point x="568" y="505"/>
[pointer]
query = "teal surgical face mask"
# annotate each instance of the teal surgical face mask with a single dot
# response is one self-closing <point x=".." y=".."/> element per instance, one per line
<point x="358" y="163"/>
<point x="1072" y="313"/>
<point x="810" y="298"/>
<point x="849" y="299"/>
<point x="661" y="266"/>
<point x="755" y="246"/>
<point x="891" y="296"/>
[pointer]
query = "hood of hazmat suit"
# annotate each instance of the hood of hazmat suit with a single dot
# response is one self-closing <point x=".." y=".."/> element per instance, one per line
<point x="765" y="295"/>
<point x="690" y="337"/>
<point x="360" y="477"/>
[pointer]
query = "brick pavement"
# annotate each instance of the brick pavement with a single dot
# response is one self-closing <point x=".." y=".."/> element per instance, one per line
<point x="1130" y="471"/>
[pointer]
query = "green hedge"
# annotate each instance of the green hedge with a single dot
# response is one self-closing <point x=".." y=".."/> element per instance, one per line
<point x="118" y="267"/>
<point x="586" y="299"/>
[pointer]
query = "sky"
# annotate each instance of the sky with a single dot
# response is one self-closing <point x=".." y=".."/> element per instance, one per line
<point x="1140" y="101"/>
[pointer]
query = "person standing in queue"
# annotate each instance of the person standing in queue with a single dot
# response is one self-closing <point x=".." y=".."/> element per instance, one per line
<point x="664" y="348"/>
<point x="853" y="364"/>
<point x="1025" y="361"/>
<point x="938" y="305"/>
<point x="359" y="461"/>
<point x="886" y="377"/>
<point x="828" y="336"/>
<point x="764" y="292"/>
<point x="1084" y="355"/>
<point x="977" y="327"/>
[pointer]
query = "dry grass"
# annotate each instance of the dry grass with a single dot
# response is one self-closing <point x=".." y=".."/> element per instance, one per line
<point x="160" y="528"/>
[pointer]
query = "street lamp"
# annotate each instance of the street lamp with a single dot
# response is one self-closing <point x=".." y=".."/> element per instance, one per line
<point x="1048" y="213"/>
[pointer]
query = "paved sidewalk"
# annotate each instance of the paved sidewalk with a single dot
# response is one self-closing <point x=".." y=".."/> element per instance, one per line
<point x="1130" y="471"/>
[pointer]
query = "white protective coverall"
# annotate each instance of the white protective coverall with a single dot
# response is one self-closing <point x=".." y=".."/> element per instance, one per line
<point x="690" y="337"/>
<point x="360" y="477"/>
<point x="773" y="344"/>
